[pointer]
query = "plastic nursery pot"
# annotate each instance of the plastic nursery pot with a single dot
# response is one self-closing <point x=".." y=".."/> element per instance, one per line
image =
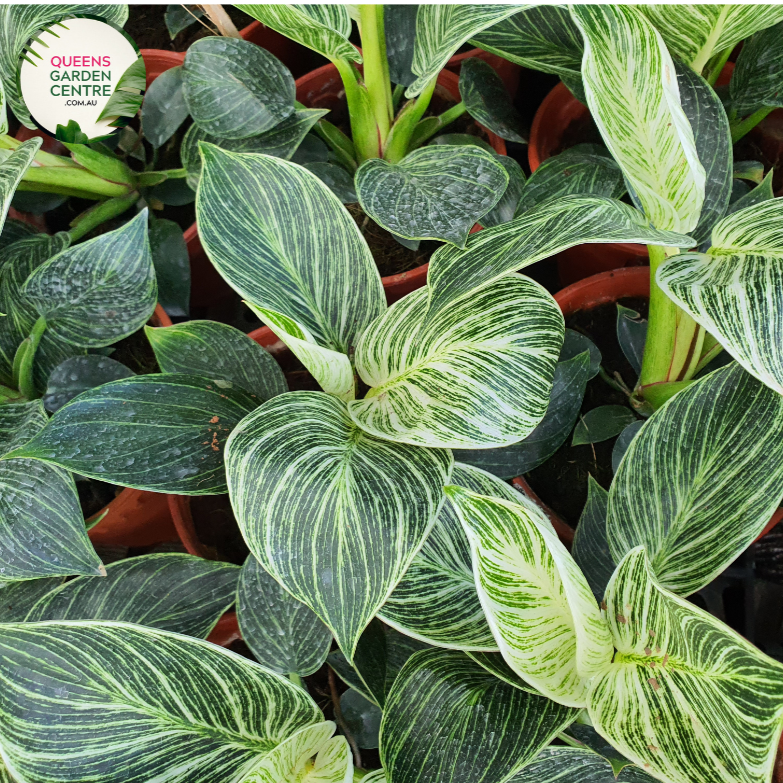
<point x="608" y="287"/>
<point x="560" y="116"/>
<point x="290" y="53"/>
<point x="136" y="518"/>
<point x="509" y="72"/>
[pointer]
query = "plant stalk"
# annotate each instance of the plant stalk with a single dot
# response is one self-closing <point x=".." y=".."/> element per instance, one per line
<point x="429" y="126"/>
<point x="23" y="368"/>
<point x="674" y="339"/>
<point x="398" y="143"/>
<point x="715" y="65"/>
<point x="739" y="129"/>
<point x="82" y="224"/>
<point x="364" y="130"/>
<point x="376" y="66"/>
<point x="218" y="16"/>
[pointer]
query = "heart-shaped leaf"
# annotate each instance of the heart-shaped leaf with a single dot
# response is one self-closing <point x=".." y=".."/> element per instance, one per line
<point x="283" y="633"/>
<point x="339" y="489"/>
<point x="436" y="600"/>
<point x="602" y="423"/>
<point x="155" y="704"/>
<point x="165" y="433"/>
<point x="680" y="683"/>
<point x="641" y="120"/>
<point x="724" y="434"/>
<point x="164" y="108"/>
<point x="536" y="600"/>
<point x="590" y="549"/>
<point x="478" y="728"/>
<point x="576" y="765"/>
<point x="436" y="192"/>
<point x="757" y="80"/>
<point x="234" y="88"/>
<point x="217" y="350"/>
<point x="172" y="266"/>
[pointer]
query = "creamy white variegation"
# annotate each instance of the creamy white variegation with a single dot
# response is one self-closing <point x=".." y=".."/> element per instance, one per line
<point x="536" y="600"/>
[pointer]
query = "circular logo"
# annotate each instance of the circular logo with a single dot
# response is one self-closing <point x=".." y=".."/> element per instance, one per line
<point x="81" y="78"/>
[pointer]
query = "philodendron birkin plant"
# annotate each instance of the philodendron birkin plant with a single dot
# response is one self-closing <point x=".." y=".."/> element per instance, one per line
<point x="363" y="528"/>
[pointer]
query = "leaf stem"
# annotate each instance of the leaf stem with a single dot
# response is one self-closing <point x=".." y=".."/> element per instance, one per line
<point x="100" y="213"/>
<point x="715" y="65"/>
<point x="398" y="143"/>
<point x="23" y="369"/>
<point x="363" y="126"/>
<point x="295" y="679"/>
<point x="739" y="129"/>
<point x="428" y="127"/>
<point x="376" y="66"/>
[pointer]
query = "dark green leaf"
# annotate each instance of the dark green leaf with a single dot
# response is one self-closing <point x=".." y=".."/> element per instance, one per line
<point x="337" y="178"/>
<point x="487" y="101"/>
<point x="751" y="170"/>
<point x="174" y="192"/>
<point x="165" y="433"/>
<point x="602" y="423"/>
<point x="399" y="23"/>
<point x="447" y="719"/>
<point x="236" y="89"/>
<point x="178" y="17"/>
<point x="577" y="765"/>
<point x="172" y="266"/>
<point x="36" y="203"/>
<point x="624" y="441"/>
<point x="218" y="350"/>
<point x="362" y="717"/>
<point x="285" y="635"/>
<point x="591" y="547"/>
<point x="99" y="291"/>
<point x="311" y="150"/>
<point x="506" y="208"/>
<point x="18" y="598"/>
<point x="575" y="343"/>
<point x="78" y="374"/>
<point x="14" y="230"/>
<point x="589" y="738"/>
<point x="631" y="334"/>
<point x="757" y="80"/>
<point x="462" y="140"/>
<point x="762" y="192"/>
<point x="164" y="108"/>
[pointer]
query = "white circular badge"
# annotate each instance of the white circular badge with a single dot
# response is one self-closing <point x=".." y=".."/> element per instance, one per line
<point x="70" y="71"/>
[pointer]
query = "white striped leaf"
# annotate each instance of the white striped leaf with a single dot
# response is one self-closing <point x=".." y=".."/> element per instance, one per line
<point x="164" y="433"/>
<point x="18" y="598"/>
<point x="449" y="720"/>
<point x="686" y="697"/>
<point x="12" y="169"/>
<point x="235" y="89"/>
<point x="285" y="635"/>
<point x="496" y="664"/>
<point x="543" y="38"/>
<point x="476" y="377"/>
<point x="504" y="210"/>
<point x="311" y="755"/>
<point x="735" y="291"/>
<point x="758" y="76"/>
<point x="42" y="529"/>
<point x="695" y="32"/>
<point x="536" y="600"/>
<point x="284" y="241"/>
<point x="20" y="21"/>
<point x="280" y="142"/>
<point x="590" y="549"/>
<point x="78" y="374"/>
<point x="99" y="291"/>
<point x="576" y="765"/>
<point x="218" y="351"/>
<point x="324" y="28"/>
<point x="436" y="192"/>
<point x="174" y="592"/>
<point x="331" y="369"/>
<point x="700" y="480"/>
<point x="540" y="233"/>
<point x="357" y="509"/>
<point x="442" y="29"/>
<point x="436" y="600"/>
<point x="641" y="119"/>
<point x="376" y="776"/>
<point x="98" y="697"/>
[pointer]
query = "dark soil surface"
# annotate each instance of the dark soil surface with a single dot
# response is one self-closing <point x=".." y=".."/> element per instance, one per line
<point x="136" y="353"/>
<point x="94" y="495"/>
<point x="217" y="528"/>
<point x="562" y="481"/>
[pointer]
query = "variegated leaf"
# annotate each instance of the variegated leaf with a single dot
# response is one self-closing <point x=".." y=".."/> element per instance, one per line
<point x="543" y="38"/>
<point x="174" y="592"/>
<point x="758" y="76"/>
<point x="283" y="633"/>
<point x="324" y="28"/>
<point x="701" y="479"/>
<point x="217" y="350"/>
<point x="292" y="761"/>
<point x="477" y="727"/>
<point x="284" y="241"/>
<point x="576" y="765"/>
<point x="18" y="598"/>
<point x="357" y="508"/>
<point x="12" y="169"/>
<point x="441" y="30"/>
<point x="478" y="376"/>
<point x="735" y="291"/>
<point x="436" y="600"/>
<point x="436" y="192"/>
<point x="164" y="433"/>
<point x="99" y="291"/>
<point x="496" y="664"/>
<point x="279" y="142"/>
<point x="536" y="600"/>
<point x="331" y="369"/>
<point x="540" y="233"/>
<point x="104" y="696"/>
<point x="695" y="32"/>
<point x="682" y="682"/>
<point x="21" y="21"/>
<point x="641" y="119"/>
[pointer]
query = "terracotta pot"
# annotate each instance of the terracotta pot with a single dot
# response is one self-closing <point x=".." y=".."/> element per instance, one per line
<point x="607" y="287"/>
<point x="559" y="111"/>
<point x="293" y="55"/>
<point x="135" y="517"/>
<point x="226" y="631"/>
<point x="509" y="72"/>
<point x="156" y="61"/>
<point x="321" y="88"/>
